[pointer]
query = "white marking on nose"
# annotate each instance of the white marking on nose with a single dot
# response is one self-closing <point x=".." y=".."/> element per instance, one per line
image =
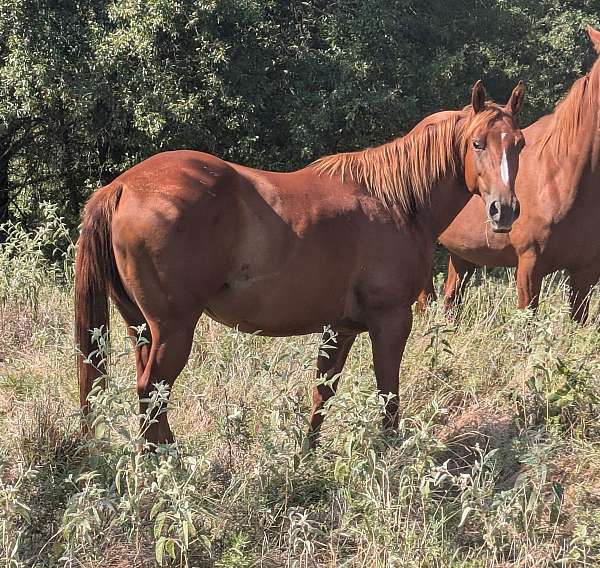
<point x="504" y="168"/>
<point x="503" y="135"/>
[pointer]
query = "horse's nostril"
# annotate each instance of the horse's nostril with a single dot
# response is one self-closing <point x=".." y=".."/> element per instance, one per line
<point x="494" y="210"/>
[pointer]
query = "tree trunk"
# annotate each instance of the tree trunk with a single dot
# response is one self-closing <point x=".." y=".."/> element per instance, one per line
<point x="4" y="193"/>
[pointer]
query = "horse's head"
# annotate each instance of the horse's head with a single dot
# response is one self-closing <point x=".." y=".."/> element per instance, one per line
<point x="595" y="38"/>
<point x="492" y="142"/>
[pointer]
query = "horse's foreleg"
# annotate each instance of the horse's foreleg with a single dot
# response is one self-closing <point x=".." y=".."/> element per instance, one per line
<point x="459" y="274"/>
<point x="388" y="334"/>
<point x="330" y="363"/>
<point x="171" y="345"/>
<point x="529" y="282"/>
<point x="581" y="282"/>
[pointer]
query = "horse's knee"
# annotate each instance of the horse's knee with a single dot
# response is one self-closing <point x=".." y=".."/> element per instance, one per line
<point x="144" y="383"/>
<point x="321" y="394"/>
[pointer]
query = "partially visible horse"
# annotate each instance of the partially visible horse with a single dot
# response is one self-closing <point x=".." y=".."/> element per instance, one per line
<point x="558" y="187"/>
<point x="346" y="241"/>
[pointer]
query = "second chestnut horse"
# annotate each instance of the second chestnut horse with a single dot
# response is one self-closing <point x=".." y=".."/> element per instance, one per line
<point x="558" y="189"/>
<point x="346" y="241"/>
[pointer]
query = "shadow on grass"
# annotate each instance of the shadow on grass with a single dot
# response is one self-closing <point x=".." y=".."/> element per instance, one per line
<point x="476" y="432"/>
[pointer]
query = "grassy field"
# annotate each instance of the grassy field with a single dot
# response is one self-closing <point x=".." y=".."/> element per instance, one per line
<point x="496" y="462"/>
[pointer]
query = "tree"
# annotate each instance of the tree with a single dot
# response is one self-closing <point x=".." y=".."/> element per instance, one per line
<point x="90" y="88"/>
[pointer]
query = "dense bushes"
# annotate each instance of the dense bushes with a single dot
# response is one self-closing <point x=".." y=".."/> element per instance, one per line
<point x="88" y="88"/>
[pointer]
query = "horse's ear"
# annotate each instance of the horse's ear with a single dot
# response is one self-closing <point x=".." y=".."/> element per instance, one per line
<point x="595" y="37"/>
<point x="478" y="97"/>
<point x="515" y="103"/>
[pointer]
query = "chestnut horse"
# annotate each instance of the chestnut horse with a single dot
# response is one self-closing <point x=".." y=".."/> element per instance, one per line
<point x="557" y="187"/>
<point x="346" y="241"/>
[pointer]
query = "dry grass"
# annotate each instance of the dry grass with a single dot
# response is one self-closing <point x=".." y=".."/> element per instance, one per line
<point x="496" y="464"/>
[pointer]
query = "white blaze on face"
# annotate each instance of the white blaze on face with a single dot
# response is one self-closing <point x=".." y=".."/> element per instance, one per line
<point x="504" y="165"/>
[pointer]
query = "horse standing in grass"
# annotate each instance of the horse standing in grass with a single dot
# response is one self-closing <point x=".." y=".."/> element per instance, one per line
<point x="346" y="241"/>
<point x="558" y="189"/>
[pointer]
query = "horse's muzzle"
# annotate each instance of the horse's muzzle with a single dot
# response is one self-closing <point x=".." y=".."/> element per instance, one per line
<point x="502" y="215"/>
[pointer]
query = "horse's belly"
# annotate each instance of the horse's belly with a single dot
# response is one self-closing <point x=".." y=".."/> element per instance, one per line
<point x="489" y="257"/>
<point x="280" y="305"/>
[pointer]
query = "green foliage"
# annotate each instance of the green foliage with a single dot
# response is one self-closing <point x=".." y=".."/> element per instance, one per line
<point x="13" y="515"/>
<point x="30" y="260"/>
<point x="559" y="396"/>
<point x="90" y="88"/>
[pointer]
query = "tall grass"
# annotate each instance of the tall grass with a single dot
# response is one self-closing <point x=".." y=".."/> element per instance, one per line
<point x="495" y="463"/>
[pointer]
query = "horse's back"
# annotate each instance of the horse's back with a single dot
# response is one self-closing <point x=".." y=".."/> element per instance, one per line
<point x="188" y="178"/>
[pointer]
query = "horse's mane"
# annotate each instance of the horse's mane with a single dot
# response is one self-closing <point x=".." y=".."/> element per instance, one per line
<point x="571" y="113"/>
<point x="402" y="172"/>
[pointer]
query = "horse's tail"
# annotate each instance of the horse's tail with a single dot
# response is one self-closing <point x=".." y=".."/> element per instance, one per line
<point x="95" y="276"/>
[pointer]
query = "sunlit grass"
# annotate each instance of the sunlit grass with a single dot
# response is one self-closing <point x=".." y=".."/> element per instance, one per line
<point x="496" y="462"/>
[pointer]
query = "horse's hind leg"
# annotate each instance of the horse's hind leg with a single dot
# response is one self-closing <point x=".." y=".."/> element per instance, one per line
<point x="329" y="365"/>
<point x="581" y="282"/>
<point x="459" y="274"/>
<point x="142" y="339"/>
<point x="169" y="352"/>
<point x="139" y="333"/>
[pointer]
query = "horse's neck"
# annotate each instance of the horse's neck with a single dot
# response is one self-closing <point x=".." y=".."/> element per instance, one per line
<point x="562" y="179"/>
<point x="447" y="199"/>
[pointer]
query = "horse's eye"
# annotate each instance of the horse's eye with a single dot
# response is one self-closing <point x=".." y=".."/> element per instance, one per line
<point x="478" y="144"/>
